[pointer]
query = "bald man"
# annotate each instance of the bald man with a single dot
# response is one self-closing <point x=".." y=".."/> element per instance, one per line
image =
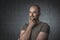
<point x="34" y="29"/>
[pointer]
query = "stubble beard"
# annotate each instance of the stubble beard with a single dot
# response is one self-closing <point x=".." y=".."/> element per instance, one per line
<point x="33" y="18"/>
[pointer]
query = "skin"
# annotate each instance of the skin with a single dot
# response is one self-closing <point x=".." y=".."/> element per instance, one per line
<point x="33" y="19"/>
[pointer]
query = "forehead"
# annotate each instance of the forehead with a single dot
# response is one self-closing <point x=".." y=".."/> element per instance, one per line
<point x="33" y="8"/>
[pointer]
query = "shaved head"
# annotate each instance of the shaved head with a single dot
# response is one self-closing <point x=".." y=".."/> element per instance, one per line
<point x="34" y="12"/>
<point x="36" y="6"/>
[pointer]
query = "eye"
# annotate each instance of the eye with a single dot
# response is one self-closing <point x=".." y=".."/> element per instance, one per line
<point x="35" y="12"/>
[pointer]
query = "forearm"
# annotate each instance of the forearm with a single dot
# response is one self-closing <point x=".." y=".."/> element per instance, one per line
<point x="26" y="35"/>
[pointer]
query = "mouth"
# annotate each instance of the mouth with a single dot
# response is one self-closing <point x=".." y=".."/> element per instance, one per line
<point x="33" y="18"/>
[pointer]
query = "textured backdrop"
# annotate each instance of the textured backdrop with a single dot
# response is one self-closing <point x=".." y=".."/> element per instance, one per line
<point x="14" y="14"/>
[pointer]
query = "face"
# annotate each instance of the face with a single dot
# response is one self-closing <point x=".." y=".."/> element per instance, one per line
<point x="33" y="13"/>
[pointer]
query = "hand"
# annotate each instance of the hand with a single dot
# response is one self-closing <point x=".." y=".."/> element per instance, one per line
<point x="32" y="23"/>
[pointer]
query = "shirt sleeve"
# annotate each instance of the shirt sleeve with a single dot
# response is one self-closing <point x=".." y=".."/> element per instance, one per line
<point x="23" y="27"/>
<point x="45" y="28"/>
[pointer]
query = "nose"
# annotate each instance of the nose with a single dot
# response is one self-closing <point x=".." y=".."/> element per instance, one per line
<point x="31" y="14"/>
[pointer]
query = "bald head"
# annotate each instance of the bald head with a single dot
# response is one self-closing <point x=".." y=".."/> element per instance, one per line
<point x="35" y="7"/>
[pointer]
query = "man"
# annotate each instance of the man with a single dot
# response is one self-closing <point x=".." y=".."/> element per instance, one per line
<point x="35" y="29"/>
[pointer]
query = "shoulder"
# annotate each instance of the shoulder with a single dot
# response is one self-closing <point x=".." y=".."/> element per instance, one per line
<point x="24" y="26"/>
<point x="44" y="24"/>
<point x="45" y="27"/>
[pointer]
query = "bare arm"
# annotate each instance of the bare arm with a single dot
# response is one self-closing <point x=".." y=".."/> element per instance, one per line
<point x="21" y="33"/>
<point x="42" y="36"/>
<point x="44" y="33"/>
<point x="26" y="34"/>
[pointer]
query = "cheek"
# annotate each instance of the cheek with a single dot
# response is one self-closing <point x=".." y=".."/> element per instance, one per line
<point x="30" y="14"/>
<point x="35" y="14"/>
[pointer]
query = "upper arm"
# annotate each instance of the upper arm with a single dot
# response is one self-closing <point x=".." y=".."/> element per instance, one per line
<point x="42" y="36"/>
<point x="22" y="30"/>
<point x="21" y="33"/>
<point x="44" y="33"/>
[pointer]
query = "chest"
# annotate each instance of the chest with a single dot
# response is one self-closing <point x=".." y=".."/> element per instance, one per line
<point x="35" y="31"/>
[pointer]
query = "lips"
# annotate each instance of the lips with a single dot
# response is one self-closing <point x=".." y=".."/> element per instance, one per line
<point x="32" y="17"/>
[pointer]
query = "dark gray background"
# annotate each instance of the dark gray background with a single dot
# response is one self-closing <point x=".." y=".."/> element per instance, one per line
<point x="14" y="14"/>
